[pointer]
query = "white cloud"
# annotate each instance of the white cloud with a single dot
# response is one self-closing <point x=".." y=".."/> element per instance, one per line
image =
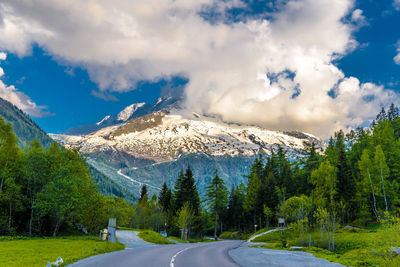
<point x="358" y="18"/>
<point x="123" y="42"/>
<point x="19" y="99"/>
<point x="397" y="57"/>
<point x="396" y="4"/>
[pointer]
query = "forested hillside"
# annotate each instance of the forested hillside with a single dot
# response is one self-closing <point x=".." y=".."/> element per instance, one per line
<point x="45" y="191"/>
<point x="24" y="127"/>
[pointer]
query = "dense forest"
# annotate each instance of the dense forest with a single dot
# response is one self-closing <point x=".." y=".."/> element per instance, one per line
<point x="43" y="191"/>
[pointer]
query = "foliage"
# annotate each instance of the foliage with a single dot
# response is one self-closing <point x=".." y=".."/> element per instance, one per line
<point x="45" y="191"/>
<point x="185" y="218"/>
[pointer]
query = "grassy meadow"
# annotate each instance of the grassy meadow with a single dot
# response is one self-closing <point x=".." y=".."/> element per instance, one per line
<point x="39" y="251"/>
<point x="353" y="247"/>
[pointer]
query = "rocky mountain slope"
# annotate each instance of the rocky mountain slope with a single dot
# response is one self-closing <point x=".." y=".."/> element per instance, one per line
<point x="151" y="149"/>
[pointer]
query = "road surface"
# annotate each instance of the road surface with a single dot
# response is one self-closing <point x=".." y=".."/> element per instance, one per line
<point x="261" y="257"/>
<point x="228" y="253"/>
<point x="213" y="254"/>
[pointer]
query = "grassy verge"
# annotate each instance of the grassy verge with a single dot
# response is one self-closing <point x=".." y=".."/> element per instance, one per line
<point x="149" y="236"/>
<point x="177" y="239"/>
<point x="354" y="247"/>
<point x="153" y="237"/>
<point x="235" y="235"/>
<point x="39" y="251"/>
<point x="191" y="240"/>
<point x="240" y="235"/>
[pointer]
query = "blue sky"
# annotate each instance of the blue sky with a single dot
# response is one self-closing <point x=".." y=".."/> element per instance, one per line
<point x="81" y="88"/>
<point x="67" y="92"/>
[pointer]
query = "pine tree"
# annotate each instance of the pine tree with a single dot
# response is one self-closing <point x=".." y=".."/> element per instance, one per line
<point x="216" y="199"/>
<point x="393" y="112"/>
<point x="250" y="201"/>
<point x="347" y="185"/>
<point x="143" y="192"/>
<point x="186" y="191"/>
<point x="165" y="198"/>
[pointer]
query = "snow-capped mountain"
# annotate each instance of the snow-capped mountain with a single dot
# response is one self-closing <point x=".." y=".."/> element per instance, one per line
<point x="151" y="148"/>
<point x="134" y="110"/>
<point x="162" y="137"/>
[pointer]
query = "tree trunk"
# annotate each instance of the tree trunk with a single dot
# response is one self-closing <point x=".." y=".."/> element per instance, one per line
<point x="9" y="215"/>
<point x="31" y="219"/>
<point x="215" y="226"/>
<point x="373" y="194"/>
<point x="383" y="189"/>
<point x="57" y="226"/>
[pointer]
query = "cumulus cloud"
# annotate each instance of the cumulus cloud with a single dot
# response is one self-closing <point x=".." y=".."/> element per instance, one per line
<point x="397" y="57"/>
<point x="19" y="99"/>
<point x="277" y="72"/>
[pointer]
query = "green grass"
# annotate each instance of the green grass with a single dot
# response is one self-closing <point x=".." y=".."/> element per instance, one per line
<point x="241" y="235"/>
<point x="177" y="239"/>
<point x="353" y="247"/>
<point x="191" y="240"/>
<point x="153" y="237"/>
<point x="149" y="236"/>
<point x="235" y="235"/>
<point x="39" y="251"/>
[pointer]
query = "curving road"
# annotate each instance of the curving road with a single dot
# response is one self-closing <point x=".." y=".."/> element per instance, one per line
<point x="228" y="253"/>
<point x="213" y="254"/>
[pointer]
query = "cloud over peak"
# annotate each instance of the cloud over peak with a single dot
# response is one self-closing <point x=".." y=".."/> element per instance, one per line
<point x="276" y="72"/>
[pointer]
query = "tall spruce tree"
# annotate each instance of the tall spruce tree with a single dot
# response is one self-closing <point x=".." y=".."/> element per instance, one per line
<point x="186" y="192"/>
<point x="346" y="182"/>
<point x="216" y="199"/>
<point x="165" y="198"/>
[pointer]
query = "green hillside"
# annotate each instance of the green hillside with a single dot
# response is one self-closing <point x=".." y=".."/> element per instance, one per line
<point x="26" y="130"/>
<point x="24" y="127"/>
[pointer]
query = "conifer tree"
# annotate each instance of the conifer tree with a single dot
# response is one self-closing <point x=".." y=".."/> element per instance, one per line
<point x="143" y="192"/>
<point x="186" y="192"/>
<point x="216" y="199"/>
<point x="165" y="198"/>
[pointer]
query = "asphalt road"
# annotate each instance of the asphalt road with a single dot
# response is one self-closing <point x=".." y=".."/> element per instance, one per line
<point x="180" y="255"/>
<point x="219" y="254"/>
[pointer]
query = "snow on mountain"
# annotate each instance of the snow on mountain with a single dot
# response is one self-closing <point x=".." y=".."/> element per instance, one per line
<point x="103" y="120"/>
<point x="159" y="100"/>
<point x="162" y="137"/>
<point x="128" y="111"/>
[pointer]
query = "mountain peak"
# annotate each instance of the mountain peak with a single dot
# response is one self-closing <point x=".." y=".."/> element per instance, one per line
<point x="125" y="114"/>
